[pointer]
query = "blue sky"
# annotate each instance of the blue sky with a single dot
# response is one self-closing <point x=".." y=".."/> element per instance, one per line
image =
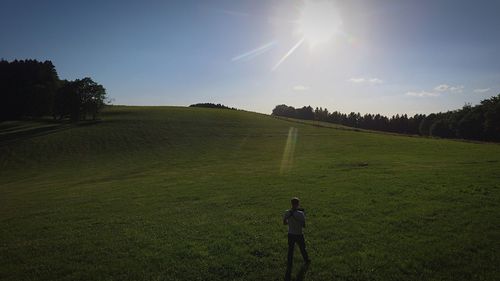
<point x="391" y="56"/>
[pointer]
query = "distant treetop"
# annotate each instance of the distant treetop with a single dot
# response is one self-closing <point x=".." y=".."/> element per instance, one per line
<point x="212" y="105"/>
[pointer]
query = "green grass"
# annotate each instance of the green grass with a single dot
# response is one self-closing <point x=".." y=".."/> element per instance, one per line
<point x="171" y="193"/>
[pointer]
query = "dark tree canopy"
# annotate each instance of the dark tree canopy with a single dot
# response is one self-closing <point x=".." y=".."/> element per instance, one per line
<point x="480" y="122"/>
<point x="212" y="105"/>
<point x="29" y="88"/>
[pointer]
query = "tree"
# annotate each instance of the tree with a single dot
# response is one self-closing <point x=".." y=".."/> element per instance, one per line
<point x="79" y="99"/>
<point x="66" y="103"/>
<point x="425" y="125"/>
<point x="414" y="123"/>
<point x="305" y="113"/>
<point x="92" y="97"/>
<point x="470" y="125"/>
<point x="491" y="118"/>
<point x="441" y="128"/>
<point x="480" y="122"/>
<point x="27" y="88"/>
<point x="284" y="110"/>
<point x="212" y="105"/>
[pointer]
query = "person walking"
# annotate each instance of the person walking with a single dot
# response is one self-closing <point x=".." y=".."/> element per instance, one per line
<point x="295" y="218"/>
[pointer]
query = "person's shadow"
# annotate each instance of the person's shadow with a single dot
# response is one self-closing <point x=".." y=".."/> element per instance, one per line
<point x="300" y="275"/>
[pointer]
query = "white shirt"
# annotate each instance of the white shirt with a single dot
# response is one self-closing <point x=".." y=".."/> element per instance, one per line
<point x="296" y="221"/>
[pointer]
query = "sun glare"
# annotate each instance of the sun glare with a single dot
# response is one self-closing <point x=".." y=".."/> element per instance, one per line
<point x="319" y="22"/>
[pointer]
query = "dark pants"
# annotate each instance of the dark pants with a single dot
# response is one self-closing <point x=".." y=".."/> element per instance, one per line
<point x="299" y="239"/>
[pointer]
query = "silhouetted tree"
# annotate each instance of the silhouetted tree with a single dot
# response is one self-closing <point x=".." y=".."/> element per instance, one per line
<point x="79" y="99"/>
<point x="27" y="88"/>
<point x="284" y="110"/>
<point x="92" y="97"/>
<point x="305" y="113"/>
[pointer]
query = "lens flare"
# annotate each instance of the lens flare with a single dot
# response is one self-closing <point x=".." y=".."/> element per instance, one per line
<point x="287" y="161"/>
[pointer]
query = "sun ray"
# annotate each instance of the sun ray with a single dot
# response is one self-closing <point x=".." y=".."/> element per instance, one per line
<point x="288" y="54"/>
<point x="255" y="52"/>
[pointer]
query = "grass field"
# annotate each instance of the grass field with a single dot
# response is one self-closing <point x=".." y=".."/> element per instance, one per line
<point x="171" y="193"/>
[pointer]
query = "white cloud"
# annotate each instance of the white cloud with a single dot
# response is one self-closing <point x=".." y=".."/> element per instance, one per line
<point x="481" y="90"/>
<point x="375" y="81"/>
<point x="437" y="91"/>
<point x="422" y="94"/>
<point x="357" y="80"/>
<point x="442" y="88"/>
<point x="448" y="88"/>
<point x="457" y="89"/>
<point x="300" y="88"/>
<point x="371" y="81"/>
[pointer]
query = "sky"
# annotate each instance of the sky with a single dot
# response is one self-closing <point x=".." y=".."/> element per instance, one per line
<point x="367" y="56"/>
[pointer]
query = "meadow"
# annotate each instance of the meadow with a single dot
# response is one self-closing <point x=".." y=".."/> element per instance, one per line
<point x="173" y="193"/>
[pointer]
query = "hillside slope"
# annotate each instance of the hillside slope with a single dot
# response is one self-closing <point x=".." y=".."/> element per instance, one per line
<point x="172" y="193"/>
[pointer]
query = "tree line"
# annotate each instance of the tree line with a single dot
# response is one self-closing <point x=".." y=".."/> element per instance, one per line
<point x="479" y="122"/>
<point x="212" y="105"/>
<point x="32" y="89"/>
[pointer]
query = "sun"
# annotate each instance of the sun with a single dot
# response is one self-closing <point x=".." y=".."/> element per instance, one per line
<point x="319" y="22"/>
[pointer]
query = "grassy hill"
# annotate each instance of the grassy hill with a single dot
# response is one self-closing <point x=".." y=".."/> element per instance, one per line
<point x="171" y="193"/>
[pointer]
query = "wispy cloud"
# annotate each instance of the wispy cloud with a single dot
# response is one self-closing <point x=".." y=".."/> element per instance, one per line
<point x="481" y="90"/>
<point x="437" y="91"/>
<point x="449" y="88"/>
<point x="375" y="81"/>
<point x="422" y="94"/>
<point x="300" y="88"/>
<point x="441" y="88"/>
<point x="362" y="80"/>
